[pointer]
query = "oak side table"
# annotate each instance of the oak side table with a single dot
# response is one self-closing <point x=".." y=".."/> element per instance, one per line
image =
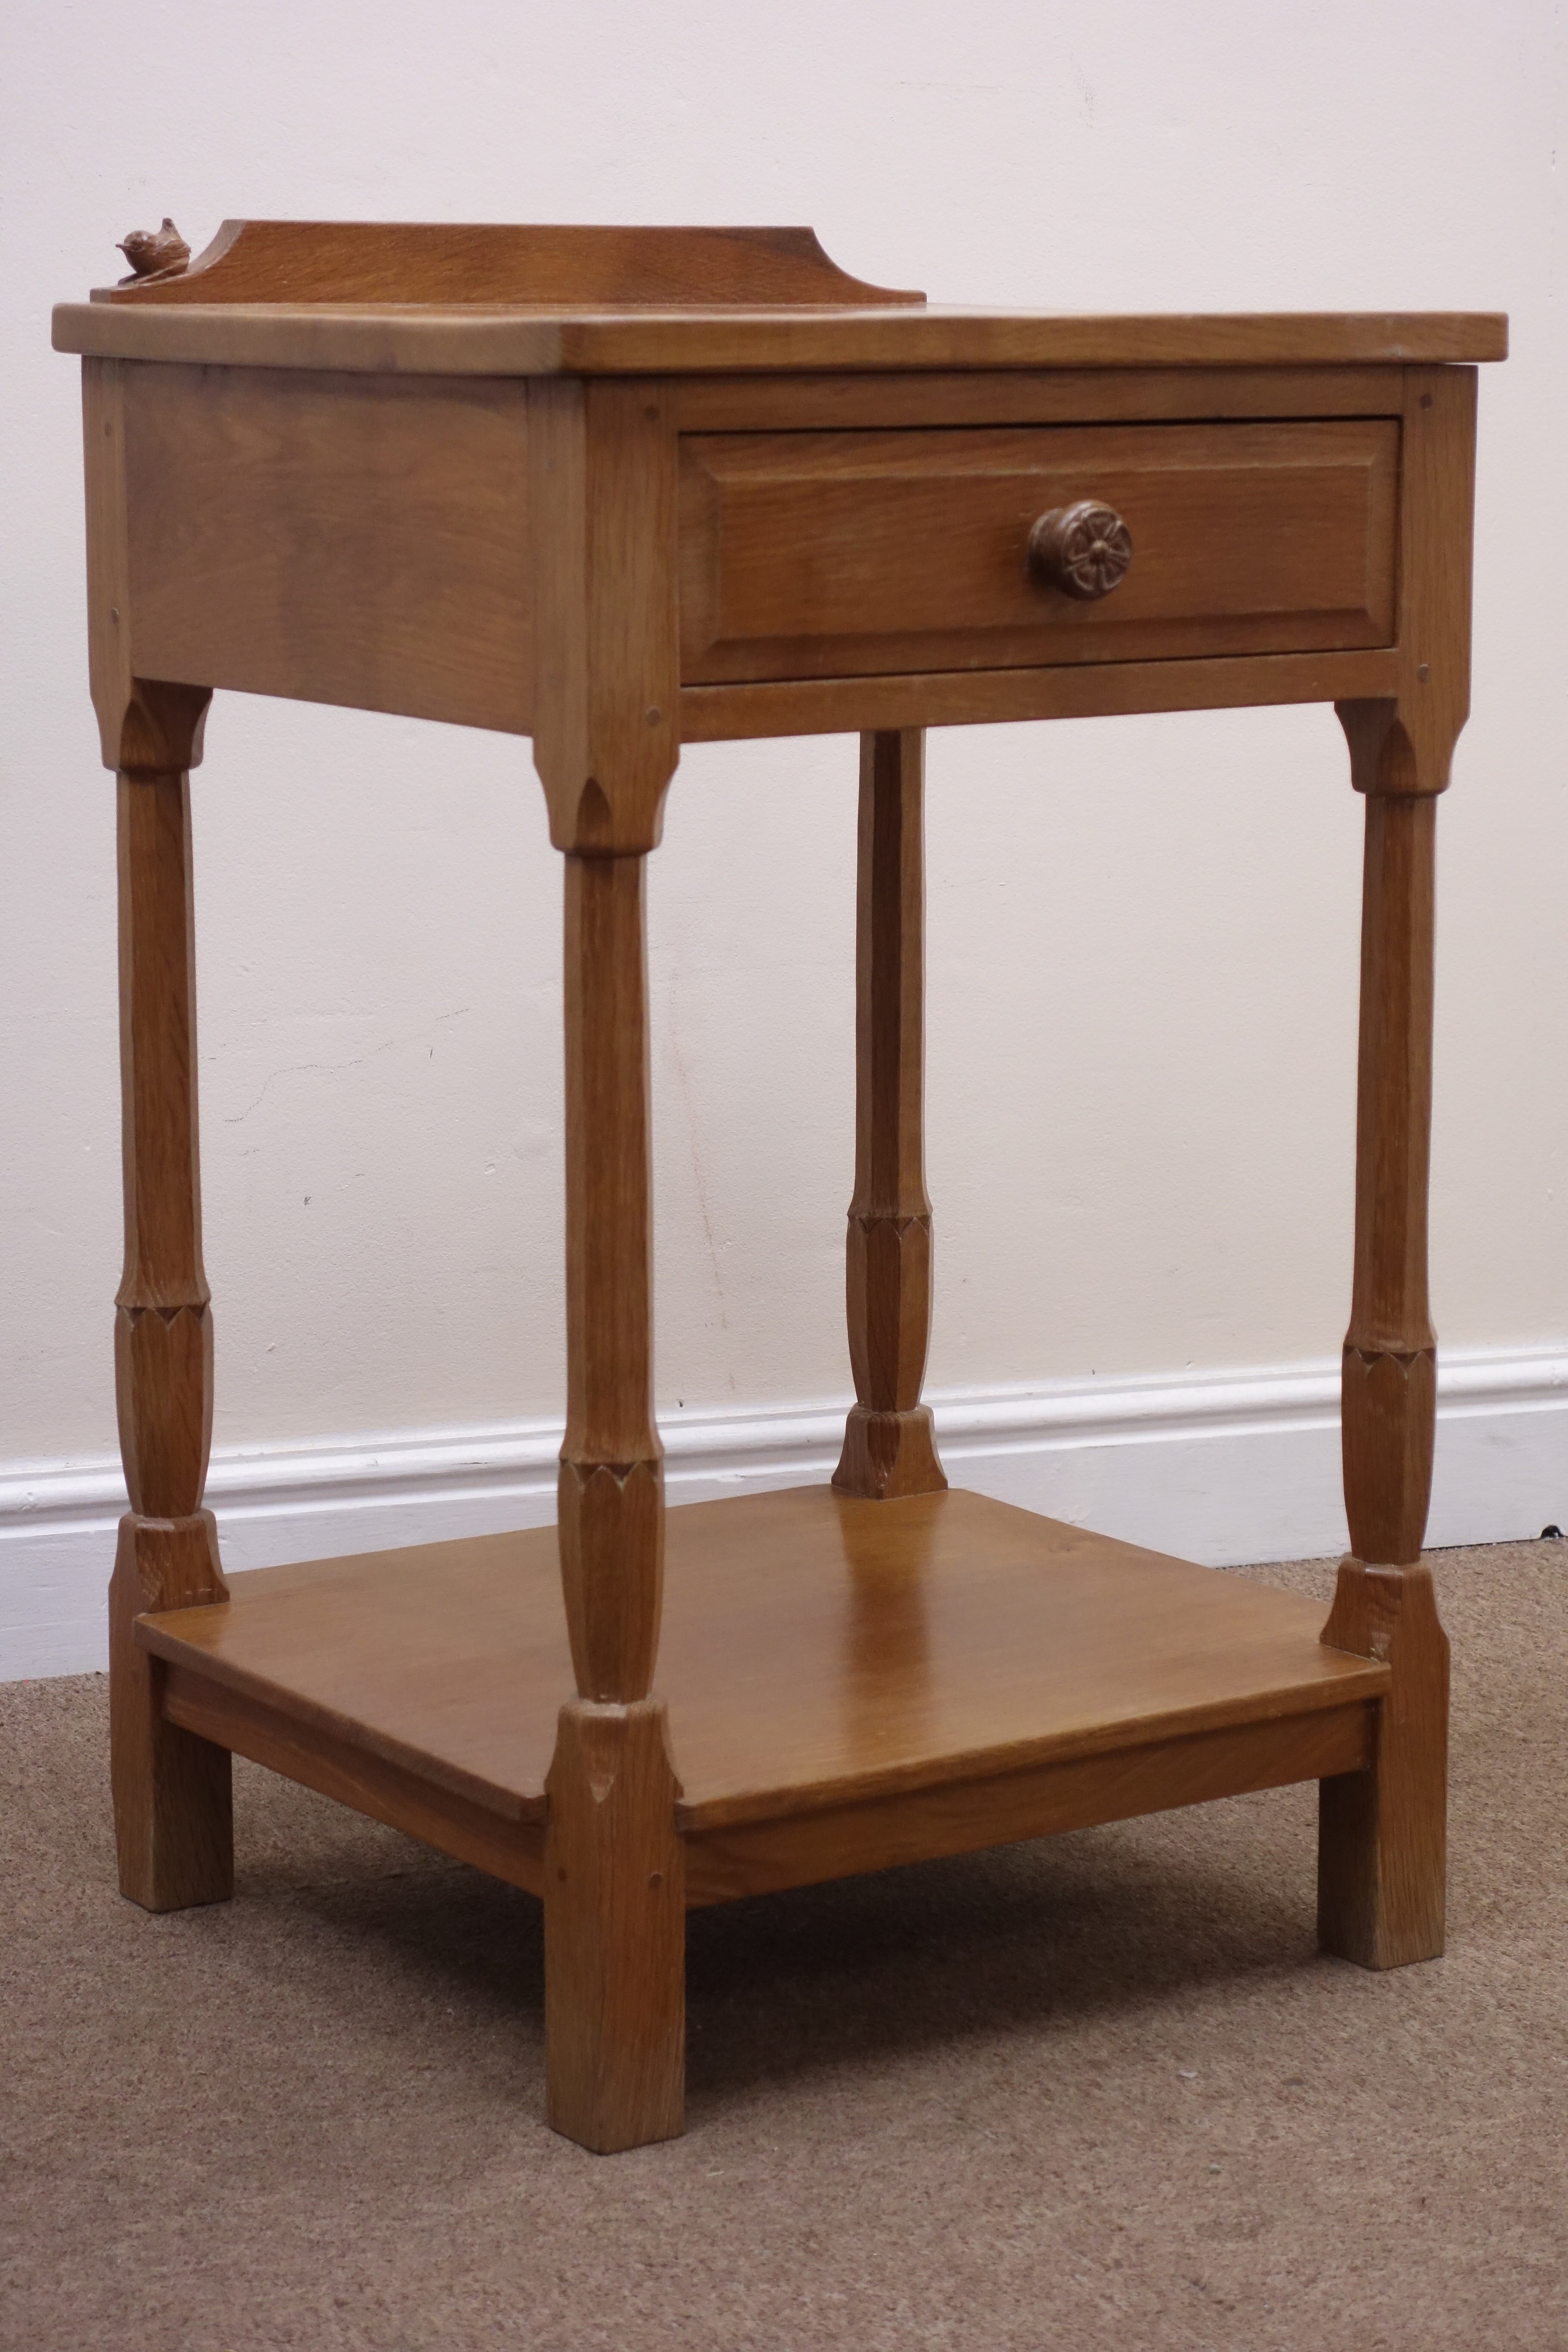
<point x="618" y="490"/>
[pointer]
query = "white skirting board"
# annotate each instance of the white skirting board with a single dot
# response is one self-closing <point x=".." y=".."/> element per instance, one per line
<point x="1223" y="1468"/>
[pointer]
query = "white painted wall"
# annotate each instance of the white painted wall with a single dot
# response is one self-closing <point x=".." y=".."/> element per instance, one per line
<point x="1143" y="933"/>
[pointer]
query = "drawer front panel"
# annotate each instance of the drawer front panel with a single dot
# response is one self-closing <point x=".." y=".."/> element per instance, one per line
<point x="843" y="554"/>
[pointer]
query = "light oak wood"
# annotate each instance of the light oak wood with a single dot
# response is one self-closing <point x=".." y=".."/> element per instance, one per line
<point x="144" y="720"/>
<point x="1381" y="1845"/>
<point x="1383" y="1841"/>
<point x="271" y="558"/>
<point x="496" y="261"/>
<point x="511" y="341"/>
<point x="445" y="1663"/>
<point x="1390" y="1378"/>
<point x="411" y="1791"/>
<point x="738" y="494"/>
<point x="1401" y="750"/>
<point x="332" y="538"/>
<point x="758" y="1858"/>
<point x="429" y="1605"/>
<point x="819" y="1651"/>
<point x="1405" y="743"/>
<point x="802" y="403"/>
<point x="889" y="1446"/>
<point x="810" y="554"/>
<point x="1382" y="1833"/>
<point x="611" y="1490"/>
<point x="831" y="706"/>
<point x="606" y="661"/>
<point x="171" y="1804"/>
<point x="615" y="1931"/>
<point x="606" y="720"/>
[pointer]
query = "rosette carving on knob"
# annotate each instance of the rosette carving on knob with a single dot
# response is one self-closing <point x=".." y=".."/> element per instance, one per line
<point x="1084" y="549"/>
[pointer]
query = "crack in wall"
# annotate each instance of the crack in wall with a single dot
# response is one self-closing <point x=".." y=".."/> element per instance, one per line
<point x="354" y="1061"/>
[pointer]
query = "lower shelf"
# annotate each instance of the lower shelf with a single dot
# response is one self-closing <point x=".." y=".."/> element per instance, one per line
<point x="851" y="1684"/>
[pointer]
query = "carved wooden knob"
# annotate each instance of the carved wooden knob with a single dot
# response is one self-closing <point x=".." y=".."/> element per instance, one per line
<point x="1084" y="549"/>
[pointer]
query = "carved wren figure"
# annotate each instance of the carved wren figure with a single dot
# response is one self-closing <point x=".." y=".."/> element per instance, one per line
<point x="154" y="253"/>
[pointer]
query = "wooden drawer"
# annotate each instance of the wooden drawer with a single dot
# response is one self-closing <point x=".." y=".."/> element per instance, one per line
<point x="838" y="554"/>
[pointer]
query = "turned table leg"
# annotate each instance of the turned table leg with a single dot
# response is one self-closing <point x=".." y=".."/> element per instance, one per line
<point x="615" y="1913"/>
<point x="1382" y="1850"/>
<point x="602" y="491"/>
<point x="889" y="1446"/>
<point x="1382" y="1868"/>
<point x="172" y="1807"/>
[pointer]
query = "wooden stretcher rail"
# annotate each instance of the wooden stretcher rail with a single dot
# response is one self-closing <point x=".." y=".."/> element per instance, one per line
<point x="732" y="1862"/>
<point x="836" y="706"/>
<point x="965" y="1816"/>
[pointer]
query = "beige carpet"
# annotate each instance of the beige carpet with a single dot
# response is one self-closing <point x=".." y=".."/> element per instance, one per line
<point x="1096" y="2092"/>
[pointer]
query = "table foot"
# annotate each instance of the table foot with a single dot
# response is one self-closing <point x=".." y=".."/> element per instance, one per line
<point x="890" y="1454"/>
<point x="615" y="1930"/>
<point x="1383" y="1835"/>
<point x="174" y="1820"/>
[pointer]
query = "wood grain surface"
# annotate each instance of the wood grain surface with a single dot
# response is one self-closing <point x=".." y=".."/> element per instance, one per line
<point x="1404" y="744"/>
<point x="830" y="533"/>
<point x="833" y="706"/>
<point x="817" y="1650"/>
<point x="389" y="339"/>
<point x="170" y="1789"/>
<point x="852" y="553"/>
<point x="611" y="1487"/>
<point x="364" y="542"/>
<point x="498" y="262"/>
<point x="1389" y="1384"/>
<point x="762" y="1857"/>
<point x="144" y="720"/>
<point x="605" y="720"/>
<point x="476" y="1826"/>
<point x="1382" y="1837"/>
<point x="615" y="1930"/>
<point x="805" y="402"/>
<point x="332" y="538"/>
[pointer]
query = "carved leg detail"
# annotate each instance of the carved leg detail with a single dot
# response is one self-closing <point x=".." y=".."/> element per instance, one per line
<point x="611" y="1526"/>
<point x="889" y="1446"/>
<point x="603" y="501"/>
<point x="172" y="1803"/>
<point x="1382" y="1839"/>
<point x="614" y="1903"/>
<point x="611" y="1486"/>
<point x="1388" y="1409"/>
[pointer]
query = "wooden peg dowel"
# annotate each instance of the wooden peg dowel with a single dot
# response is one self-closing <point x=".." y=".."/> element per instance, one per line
<point x="889" y="1446"/>
<point x="172" y="1802"/>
